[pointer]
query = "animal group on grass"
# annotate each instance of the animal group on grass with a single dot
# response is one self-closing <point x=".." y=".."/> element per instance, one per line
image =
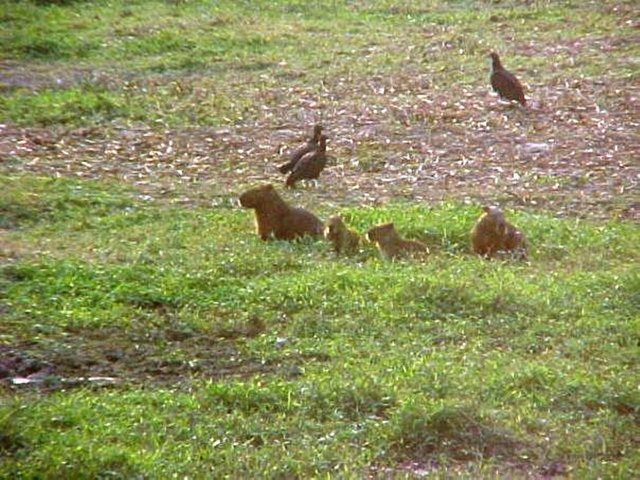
<point x="491" y="236"/>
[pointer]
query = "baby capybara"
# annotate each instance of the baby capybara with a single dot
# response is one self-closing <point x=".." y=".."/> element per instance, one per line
<point x="392" y="246"/>
<point x="343" y="240"/>
<point x="493" y="235"/>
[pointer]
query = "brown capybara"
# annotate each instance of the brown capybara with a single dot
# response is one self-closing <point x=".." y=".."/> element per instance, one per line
<point x="275" y="217"/>
<point x="392" y="246"/>
<point x="492" y="235"/>
<point x="343" y="240"/>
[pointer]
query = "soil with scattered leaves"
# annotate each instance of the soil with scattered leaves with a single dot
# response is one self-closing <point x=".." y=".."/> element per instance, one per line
<point x="398" y="138"/>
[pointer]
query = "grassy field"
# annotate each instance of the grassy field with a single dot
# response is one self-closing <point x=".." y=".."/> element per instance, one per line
<point x="162" y="339"/>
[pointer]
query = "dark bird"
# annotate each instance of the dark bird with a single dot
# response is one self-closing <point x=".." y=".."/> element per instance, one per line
<point x="505" y="82"/>
<point x="310" y="146"/>
<point x="310" y="165"/>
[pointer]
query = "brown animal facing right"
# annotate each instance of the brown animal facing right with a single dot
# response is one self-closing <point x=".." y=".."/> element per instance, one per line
<point x="310" y="165"/>
<point x="275" y="217"/>
<point x="343" y="239"/>
<point x="391" y="245"/>
<point x="310" y="146"/>
<point x="492" y="234"/>
<point x="505" y="82"/>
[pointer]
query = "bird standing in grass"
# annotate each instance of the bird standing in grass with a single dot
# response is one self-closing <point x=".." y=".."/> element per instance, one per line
<point x="505" y="82"/>
<point x="310" y="165"/>
<point x="310" y="146"/>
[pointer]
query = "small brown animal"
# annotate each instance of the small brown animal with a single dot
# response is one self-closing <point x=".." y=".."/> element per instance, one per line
<point x="275" y="217"/>
<point x="391" y="245"/>
<point x="343" y="239"/>
<point x="310" y="146"/>
<point x="492" y="235"/>
<point x="310" y="165"/>
<point x="505" y="82"/>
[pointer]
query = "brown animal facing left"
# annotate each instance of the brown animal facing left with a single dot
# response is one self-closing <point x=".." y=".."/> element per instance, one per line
<point x="343" y="239"/>
<point x="275" y="217"/>
<point x="391" y="245"/>
<point x="492" y="234"/>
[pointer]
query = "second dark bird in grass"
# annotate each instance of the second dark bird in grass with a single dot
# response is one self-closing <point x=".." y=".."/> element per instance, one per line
<point x="295" y="156"/>
<point x="505" y="82"/>
<point x="310" y="165"/>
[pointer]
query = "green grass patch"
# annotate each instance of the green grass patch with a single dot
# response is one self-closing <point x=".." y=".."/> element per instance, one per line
<point x="240" y="357"/>
<point x="233" y="51"/>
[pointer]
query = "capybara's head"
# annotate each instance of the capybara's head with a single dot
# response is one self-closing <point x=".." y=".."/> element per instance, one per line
<point x="333" y="228"/>
<point x="495" y="217"/>
<point x="254" y="197"/>
<point x="380" y="232"/>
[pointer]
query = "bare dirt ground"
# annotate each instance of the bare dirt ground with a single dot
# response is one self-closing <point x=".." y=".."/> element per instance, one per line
<point x="157" y="357"/>
<point x="574" y="150"/>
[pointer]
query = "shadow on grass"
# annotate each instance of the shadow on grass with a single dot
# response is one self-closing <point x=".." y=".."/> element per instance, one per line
<point x="168" y="356"/>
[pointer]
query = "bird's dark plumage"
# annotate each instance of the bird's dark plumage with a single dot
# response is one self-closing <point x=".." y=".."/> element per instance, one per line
<point x="310" y="165"/>
<point x="505" y="82"/>
<point x="310" y="146"/>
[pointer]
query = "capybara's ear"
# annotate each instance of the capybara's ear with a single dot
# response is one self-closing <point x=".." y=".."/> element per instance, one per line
<point x="269" y="186"/>
<point x="486" y="208"/>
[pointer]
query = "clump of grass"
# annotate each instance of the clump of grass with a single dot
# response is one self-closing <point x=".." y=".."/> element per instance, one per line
<point x="75" y="106"/>
<point x="29" y="200"/>
<point x="421" y="431"/>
